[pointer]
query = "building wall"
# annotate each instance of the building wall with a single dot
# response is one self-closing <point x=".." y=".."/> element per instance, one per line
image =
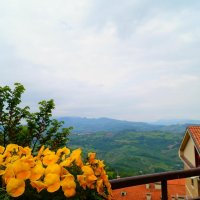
<point x="189" y="152"/>
<point x="192" y="183"/>
<point x="192" y="186"/>
<point x="192" y="190"/>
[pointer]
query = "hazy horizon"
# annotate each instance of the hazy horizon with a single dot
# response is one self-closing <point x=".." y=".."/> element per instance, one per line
<point x="159" y="121"/>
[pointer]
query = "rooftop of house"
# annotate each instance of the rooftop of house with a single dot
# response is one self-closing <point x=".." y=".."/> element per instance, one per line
<point x="194" y="132"/>
<point x="150" y="191"/>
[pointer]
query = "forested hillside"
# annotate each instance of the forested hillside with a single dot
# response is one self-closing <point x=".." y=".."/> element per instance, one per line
<point x="131" y="153"/>
<point x="93" y="125"/>
<point x="129" y="148"/>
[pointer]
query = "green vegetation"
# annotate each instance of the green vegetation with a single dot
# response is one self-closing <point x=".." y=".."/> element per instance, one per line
<point x="132" y="153"/>
<point x="128" y="148"/>
<point x="18" y="125"/>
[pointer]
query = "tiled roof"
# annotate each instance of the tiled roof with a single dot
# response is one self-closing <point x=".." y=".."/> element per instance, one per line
<point x="175" y="187"/>
<point x="195" y="134"/>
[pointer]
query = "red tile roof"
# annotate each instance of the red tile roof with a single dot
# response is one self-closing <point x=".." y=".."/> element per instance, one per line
<point x="175" y="187"/>
<point x="195" y="134"/>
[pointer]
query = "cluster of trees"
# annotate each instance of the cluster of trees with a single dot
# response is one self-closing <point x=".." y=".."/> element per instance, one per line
<point x="20" y="126"/>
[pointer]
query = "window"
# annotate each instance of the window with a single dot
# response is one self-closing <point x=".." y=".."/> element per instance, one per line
<point x="148" y="196"/>
<point x="123" y="193"/>
<point x="148" y="186"/>
<point x="181" y="197"/>
<point x="192" y="181"/>
<point x="197" y="158"/>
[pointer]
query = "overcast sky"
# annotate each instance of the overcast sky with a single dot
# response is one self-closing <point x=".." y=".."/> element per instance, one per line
<point x="135" y="60"/>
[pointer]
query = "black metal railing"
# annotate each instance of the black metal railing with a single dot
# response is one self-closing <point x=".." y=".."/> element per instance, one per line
<point x="151" y="178"/>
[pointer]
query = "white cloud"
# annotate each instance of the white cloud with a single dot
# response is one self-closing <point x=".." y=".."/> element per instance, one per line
<point x="133" y="60"/>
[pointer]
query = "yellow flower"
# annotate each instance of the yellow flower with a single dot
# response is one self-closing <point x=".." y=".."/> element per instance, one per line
<point x="40" y="152"/>
<point x="1" y="159"/>
<point x="18" y="164"/>
<point x="2" y="149"/>
<point x="87" y="170"/>
<point x="21" y="169"/>
<point x="24" y="151"/>
<point x="82" y="181"/>
<point x="52" y="182"/>
<point x="12" y="147"/>
<point x="100" y="188"/>
<point x="50" y="159"/>
<point x="66" y="163"/>
<point x="15" y="187"/>
<point x="64" y="151"/>
<point x="90" y="178"/>
<point x="8" y="174"/>
<point x="53" y="169"/>
<point x="47" y="151"/>
<point x="63" y="172"/>
<point x="91" y="157"/>
<point x="7" y="156"/>
<point x="98" y="168"/>
<point x="2" y="172"/>
<point x="38" y="185"/>
<point x="12" y="159"/>
<point x="29" y="160"/>
<point x="68" y="185"/>
<point x="76" y="156"/>
<point x="37" y="171"/>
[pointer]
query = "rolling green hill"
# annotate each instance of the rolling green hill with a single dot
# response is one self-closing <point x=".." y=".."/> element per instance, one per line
<point x="129" y="148"/>
<point x="131" y="153"/>
<point x="93" y="125"/>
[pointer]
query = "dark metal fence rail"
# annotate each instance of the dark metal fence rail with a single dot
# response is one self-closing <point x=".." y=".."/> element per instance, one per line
<point x="151" y="178"/>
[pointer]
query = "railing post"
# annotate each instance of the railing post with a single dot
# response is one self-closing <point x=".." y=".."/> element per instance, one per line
<point x="164" y="189"/>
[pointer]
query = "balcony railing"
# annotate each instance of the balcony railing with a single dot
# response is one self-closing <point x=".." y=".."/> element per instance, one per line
<point x="151" y="178"/>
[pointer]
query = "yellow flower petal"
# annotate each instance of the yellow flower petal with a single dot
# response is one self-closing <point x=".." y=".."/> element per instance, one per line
<point x="38" y="185"/>
<point x="66" y="163"/>
<point x="91" y="157"/>
<point x="87" y="170"/>
<point x="52" y="181"/>
<point x="100" y="188"/>
<point x="12" y="147"/>
<point x="91" y="178"/>
<point x="8" y="173"/>
<point x="21" y="169"/>
<point x="25" y="150"/>
<point x="76" y="154"/>
<point x="2" y="172"/>
<point x="82" y="181"/>
<point x="69" y="192"/>
<point x="1" y="159"/>
<point x="53" y="169"/>
<point x="69" y="185"/>
<point x="47" y="152"/>
<point x="15" y="187"/>
<point x="64" y="150"/>
<point x="68" y="181"/>
<point x="37" y="171"/>
<point x="63" y="172"/>
<point x="40" y="152"/>
<point x="50" y="159"/>
<point x="2" y="149"/>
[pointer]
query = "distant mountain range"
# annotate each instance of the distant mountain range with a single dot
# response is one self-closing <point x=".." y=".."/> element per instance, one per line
<point x="93" y="125"/>
<point x="176" y="121"/>
<point x="148" y="147"/>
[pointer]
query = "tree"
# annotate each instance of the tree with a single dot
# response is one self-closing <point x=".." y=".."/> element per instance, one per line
<point x="18" y="125"/>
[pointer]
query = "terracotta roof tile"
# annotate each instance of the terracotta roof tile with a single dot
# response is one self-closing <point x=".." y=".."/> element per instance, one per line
<point x="195" y="134"/>
<point x="175" y="187"/>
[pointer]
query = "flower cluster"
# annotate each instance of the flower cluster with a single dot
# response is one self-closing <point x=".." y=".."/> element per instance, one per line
<point x="61" y="171"/>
